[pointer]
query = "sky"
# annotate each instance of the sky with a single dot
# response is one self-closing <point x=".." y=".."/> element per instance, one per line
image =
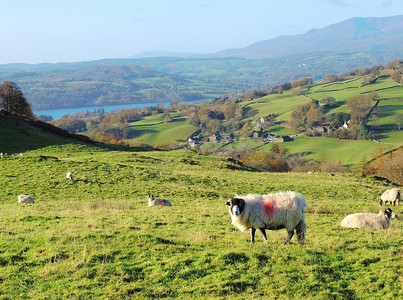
<point x="37" y="31"/>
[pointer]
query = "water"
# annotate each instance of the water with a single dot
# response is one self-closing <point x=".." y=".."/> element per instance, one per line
<point x="58" y="113"/>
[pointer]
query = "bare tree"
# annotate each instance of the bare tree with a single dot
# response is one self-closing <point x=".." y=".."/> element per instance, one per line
<point x="13" y="100"/>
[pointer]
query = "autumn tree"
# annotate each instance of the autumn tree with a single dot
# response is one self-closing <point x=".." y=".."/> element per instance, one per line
<point x="331" y="77"/>
<point x="396" y="76"/>
<point x="306" y="115"/>
<point x="360" y="106"/>
<point x="297" y="91"/>
<point x="13" y="100"/>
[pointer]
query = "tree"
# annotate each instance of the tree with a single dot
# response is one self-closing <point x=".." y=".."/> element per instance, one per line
<point x="13" y="100"/>
<point x="396" y="76"/>
<point x="329" y="101"/>
<point x="331" y="77"/>
<point x="399" y="120"/>
<point x="297" y="91"/>
<point x="360" y="106"/>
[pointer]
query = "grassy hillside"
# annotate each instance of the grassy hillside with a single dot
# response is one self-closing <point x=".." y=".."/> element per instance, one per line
<point x="96" y="237"/>
<point x="153" y="130"/>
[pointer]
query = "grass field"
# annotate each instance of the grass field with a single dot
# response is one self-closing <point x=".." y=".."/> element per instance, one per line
<point x="152" y="130"/>
<point x="95" y="237"/>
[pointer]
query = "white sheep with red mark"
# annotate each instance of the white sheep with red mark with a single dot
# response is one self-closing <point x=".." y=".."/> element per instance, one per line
<point x="369" y="220"/>
<point x="25" y="199"/>
<point x="272" y="211"/>
<point x="152" y="201"/>
<point x="393" y="196"/>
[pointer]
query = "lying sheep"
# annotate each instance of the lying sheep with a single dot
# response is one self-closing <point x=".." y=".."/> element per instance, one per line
<point x="273" y="211"/>
<point x="392" y="196"/>
<point x="25" y="199"/>
<point x="367" y="220"/>
<point x="69" y="176"/>
<point x="158" y="202"/>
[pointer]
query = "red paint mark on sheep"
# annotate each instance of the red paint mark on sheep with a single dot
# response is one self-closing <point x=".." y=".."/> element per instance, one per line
<point x="269" y="208"/>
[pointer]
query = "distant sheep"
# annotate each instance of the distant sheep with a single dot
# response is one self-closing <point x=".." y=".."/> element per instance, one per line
<point x="392" y="196"/>
<point x="368" y="220"/>
<point x="272" y="211"/>
<point x="158" y="202"/>
<point x="69" y="176"/>
<point x="25" y="199"/>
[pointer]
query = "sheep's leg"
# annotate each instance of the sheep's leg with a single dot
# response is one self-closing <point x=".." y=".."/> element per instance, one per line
<point x="301" y="229"/>
<point x="290" y="235"/>
<point x="252" y="234"/>
<point x="263" y="231"/>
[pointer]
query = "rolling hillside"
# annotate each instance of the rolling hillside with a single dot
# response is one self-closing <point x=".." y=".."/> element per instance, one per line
<point x="350" y="153"/>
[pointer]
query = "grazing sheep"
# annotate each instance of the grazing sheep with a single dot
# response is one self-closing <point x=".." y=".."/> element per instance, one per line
<point x="272" y="211"/>
<point x="158" y="202"/>
<point x="25" y="199"/>
<point x="69" y="176"/>
<point x="392" y="196"/>
<point x="367" y="220"/>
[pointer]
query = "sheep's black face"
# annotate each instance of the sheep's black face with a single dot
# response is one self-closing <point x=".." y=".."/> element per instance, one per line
<point x="236" y="206"/>
<point x="390" y="213"/>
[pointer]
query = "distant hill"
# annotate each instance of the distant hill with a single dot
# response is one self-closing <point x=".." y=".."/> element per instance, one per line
<point x="101" y="85"/>
<point x="164" y="54"/>
<point x="353" y="35"/>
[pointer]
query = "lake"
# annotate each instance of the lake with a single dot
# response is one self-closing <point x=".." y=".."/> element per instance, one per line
<point x="58" y="113"/>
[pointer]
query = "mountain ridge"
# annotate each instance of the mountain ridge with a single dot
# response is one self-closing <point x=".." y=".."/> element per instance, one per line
<point x="352" y="35"/>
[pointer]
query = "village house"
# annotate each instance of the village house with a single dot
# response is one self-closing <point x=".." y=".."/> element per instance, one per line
<point x="271" y="136"/>
<point x="318" y="130"/>
<point x="257" y="134"/>
<point x="215" y="138"/>
<point x="281" y="139"/>
<point x="193" y="142"/>
<point x="226" y="136"/>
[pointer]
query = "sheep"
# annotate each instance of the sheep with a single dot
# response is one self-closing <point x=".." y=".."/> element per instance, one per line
<point x="392" y="196"/>
<point x="368" y="220"/>
<point x="158" y="202"/>
<point x="69" y="176"/>
<point x="272" y="211"/>
<point x="25" y="199"/>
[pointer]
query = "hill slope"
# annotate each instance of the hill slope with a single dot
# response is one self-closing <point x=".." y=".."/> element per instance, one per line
<point x="95" y="237"/>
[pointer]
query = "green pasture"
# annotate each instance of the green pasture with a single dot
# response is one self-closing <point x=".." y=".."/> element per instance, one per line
<point x="153" y="130"/>
<point x="350" y="153"/>
<point x="279" y="104"/>
<point x="96" y="238"/>
<point x="344" y="90"/>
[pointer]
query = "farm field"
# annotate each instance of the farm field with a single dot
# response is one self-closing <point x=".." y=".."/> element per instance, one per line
<point x="95" y="237"/>
<point x="152" y="130"/>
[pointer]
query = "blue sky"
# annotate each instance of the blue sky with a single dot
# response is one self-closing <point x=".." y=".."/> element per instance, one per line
<point x="35" y="31"/>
